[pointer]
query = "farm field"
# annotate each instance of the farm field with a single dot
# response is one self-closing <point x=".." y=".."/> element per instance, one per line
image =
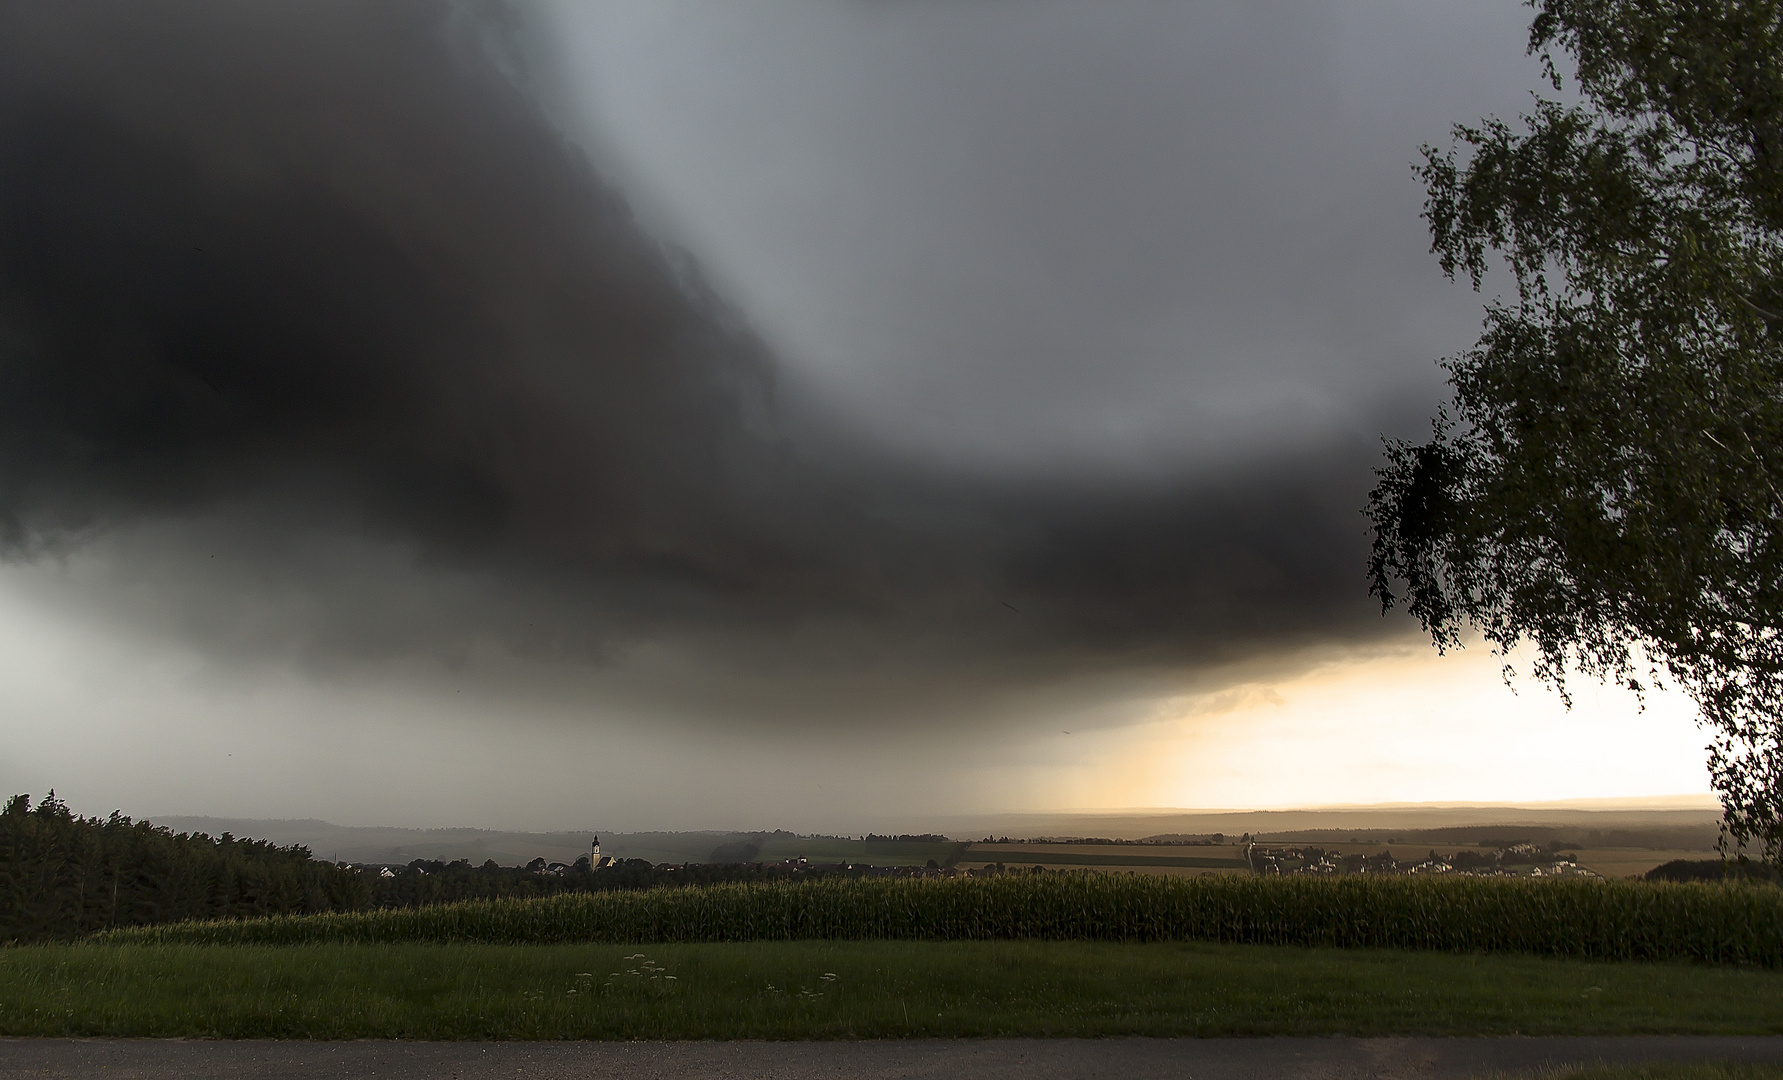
<point x="1581" y="918"/>
<point x="819" y="849"/>
<point x="1632" y="862"/>
<point x="855" y="989"/>
<point x="1167" y="859"/>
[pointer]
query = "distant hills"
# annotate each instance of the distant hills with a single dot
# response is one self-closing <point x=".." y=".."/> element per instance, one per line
<point x="1679" y="828"/>
<point x="384" y="844"/>
<point x="1681" y="824"/>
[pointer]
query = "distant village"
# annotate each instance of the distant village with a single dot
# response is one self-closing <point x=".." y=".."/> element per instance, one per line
<point x="1517" y="860"/>
<point x="1523" y="860"/>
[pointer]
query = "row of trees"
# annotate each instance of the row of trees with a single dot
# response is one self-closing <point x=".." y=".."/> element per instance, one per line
<point x="63" y="876"/>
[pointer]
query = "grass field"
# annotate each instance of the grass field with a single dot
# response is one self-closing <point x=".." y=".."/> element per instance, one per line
<point x="854" y="990"/>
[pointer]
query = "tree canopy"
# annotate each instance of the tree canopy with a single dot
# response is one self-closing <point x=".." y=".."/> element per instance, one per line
<point x="65" y="876"/>
<point x="1604" y="487"/>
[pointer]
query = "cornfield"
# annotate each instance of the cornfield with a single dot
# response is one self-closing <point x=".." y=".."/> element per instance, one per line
<point x="1608" y="920"/>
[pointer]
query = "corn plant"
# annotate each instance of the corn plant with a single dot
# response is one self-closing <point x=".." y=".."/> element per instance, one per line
<point x="1609" y="920"/>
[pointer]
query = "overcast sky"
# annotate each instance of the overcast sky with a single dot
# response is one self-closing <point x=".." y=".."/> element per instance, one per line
<point x="675" y="415"/>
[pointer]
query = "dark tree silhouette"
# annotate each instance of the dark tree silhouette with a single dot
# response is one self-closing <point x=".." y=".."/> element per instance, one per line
<point x="1605" y="486"/>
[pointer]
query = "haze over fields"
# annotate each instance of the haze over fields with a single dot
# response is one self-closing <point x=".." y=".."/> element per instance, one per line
<point x="695" y="416"/>
<point x="1610" y="838"/>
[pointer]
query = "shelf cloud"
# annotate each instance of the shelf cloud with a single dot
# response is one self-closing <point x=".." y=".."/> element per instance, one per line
<point x="322" y="337"/>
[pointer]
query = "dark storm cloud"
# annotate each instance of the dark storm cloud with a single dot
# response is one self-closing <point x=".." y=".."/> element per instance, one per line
<point x="321" y="333"/>
<point x="1049" y="234"/>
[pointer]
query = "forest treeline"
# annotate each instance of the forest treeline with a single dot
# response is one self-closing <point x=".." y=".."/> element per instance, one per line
<point x="63" y="876"/>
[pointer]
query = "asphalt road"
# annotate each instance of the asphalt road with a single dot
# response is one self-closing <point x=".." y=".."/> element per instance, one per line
<point x="980" y="1059"/>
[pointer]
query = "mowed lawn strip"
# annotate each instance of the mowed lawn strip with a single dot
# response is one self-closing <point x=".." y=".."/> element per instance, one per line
<point x="841" y="989"/>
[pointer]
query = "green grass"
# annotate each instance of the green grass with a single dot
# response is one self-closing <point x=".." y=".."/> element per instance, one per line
<point x="880" y="989"/>
<point x="1589" y="919"/>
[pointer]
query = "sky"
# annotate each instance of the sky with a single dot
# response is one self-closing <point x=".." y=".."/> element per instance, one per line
<point x="826" y="416"/>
